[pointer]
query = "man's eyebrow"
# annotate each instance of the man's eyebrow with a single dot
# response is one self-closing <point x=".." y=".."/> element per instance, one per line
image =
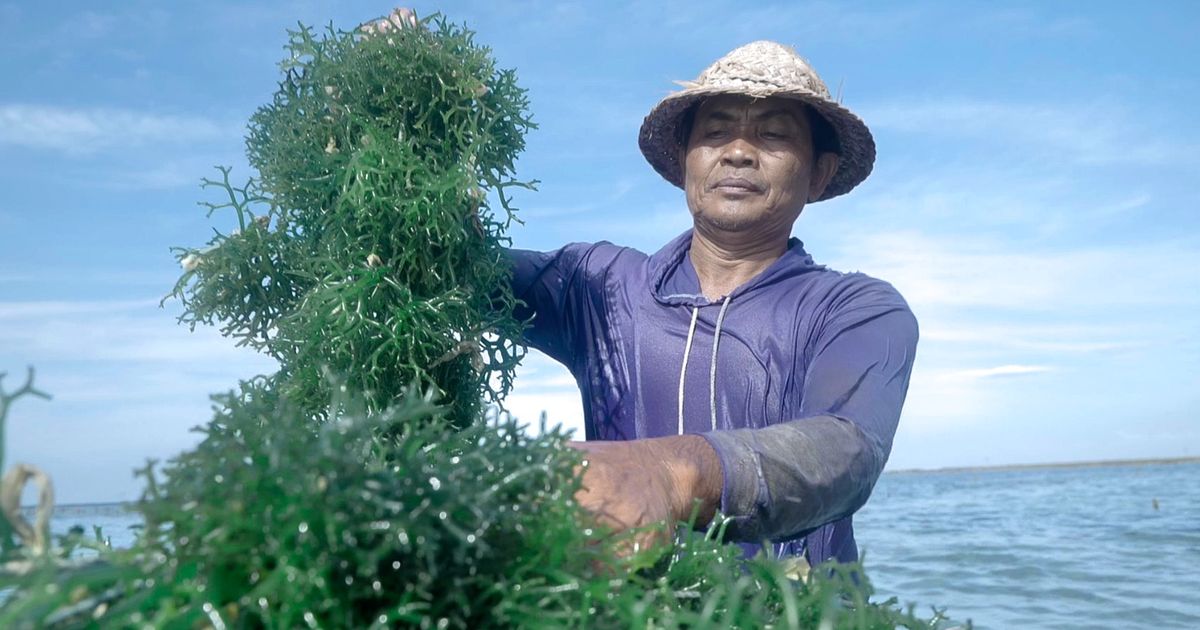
<point x="725" y="116"/>
<point x="721" y="116"/>
<point x="777" y="112"/>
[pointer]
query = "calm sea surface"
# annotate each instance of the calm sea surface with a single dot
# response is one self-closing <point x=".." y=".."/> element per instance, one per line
<point x="1050" y="548"/>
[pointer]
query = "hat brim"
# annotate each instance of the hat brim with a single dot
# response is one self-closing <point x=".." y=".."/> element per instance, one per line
<point x="659" y="138"/>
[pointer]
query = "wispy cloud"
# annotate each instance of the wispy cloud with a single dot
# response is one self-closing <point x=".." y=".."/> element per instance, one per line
<point x="963" y="271"/>
<point x="114" y="332"/>
<point x="88" y="130"/>
<point x="1081" y="133"/>
<point x="43" y="309"/>
<point x="1000" y="371"/>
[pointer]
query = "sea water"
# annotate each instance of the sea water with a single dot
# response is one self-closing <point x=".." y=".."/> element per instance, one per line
<point x="1086" y="547"/>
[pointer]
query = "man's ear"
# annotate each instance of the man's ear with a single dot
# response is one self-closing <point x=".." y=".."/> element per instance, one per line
<point x="822" y="174"/>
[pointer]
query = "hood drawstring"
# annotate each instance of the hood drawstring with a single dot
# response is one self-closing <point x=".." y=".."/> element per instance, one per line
<point x="712" y="373"/>
<point x="687" y="350"/>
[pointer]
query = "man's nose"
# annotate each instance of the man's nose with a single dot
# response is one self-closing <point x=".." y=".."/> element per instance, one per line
<point x="740" y="153"/>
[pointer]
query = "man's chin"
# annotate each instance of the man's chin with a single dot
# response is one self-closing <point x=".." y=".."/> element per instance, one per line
<point x="727" y="221"/>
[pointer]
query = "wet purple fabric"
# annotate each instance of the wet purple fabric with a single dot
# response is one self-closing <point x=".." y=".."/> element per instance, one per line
<point x="810" y="374"/>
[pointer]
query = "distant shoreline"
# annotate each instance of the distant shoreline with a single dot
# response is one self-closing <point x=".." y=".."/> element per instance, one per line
<point x="1050" y="465"/>
<point x="905" y="471"/>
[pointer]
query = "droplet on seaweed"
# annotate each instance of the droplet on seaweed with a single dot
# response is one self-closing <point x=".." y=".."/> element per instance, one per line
<point x="442" y="515"/>
<point x="471" y="538"/>
<point x="396" y="565"/>
<point x="310" y="619"/>
<point x="436" y="483"/>
<point x="218" y="478"/>
<point x="455" y="459"/>
<point x="349" y="580"/>
<point x="402" y="536"/>
<point x="262" y="602"/>
<point x="303" y="527"/>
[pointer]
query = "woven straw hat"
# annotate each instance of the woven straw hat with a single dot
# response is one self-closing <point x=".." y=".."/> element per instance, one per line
<point x="759" y="69"/>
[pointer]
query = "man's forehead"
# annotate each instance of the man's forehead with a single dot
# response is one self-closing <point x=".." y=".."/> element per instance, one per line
<point x="735" y="107"/>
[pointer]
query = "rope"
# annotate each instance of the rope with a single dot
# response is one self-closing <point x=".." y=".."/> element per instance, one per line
<point x="34" y="536"/>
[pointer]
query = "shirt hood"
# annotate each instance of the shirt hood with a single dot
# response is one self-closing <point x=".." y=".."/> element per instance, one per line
<point x="673" y="279"/>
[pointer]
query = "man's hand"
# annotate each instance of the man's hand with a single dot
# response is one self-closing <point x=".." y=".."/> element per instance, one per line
<point x="642" y="483"/>
<point x="398" y="19"/>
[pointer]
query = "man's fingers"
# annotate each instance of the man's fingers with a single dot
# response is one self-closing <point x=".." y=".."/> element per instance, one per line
<point x="403" y="18"/>
<point x="399" y="18"/>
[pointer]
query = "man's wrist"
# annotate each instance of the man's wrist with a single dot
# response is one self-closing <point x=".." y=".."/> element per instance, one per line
<point x="695" y="475"/>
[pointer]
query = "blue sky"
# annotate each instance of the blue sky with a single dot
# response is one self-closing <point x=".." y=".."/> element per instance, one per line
<point x="1034" y="199"/>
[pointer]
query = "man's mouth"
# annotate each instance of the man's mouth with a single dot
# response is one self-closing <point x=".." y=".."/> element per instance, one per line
<point x="736" y="185"/>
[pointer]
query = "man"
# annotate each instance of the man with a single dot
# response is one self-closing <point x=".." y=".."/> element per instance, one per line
<point x="728" y="371"/>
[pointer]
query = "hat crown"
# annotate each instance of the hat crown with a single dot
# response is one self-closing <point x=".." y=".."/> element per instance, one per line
<point x="762" y="66"/>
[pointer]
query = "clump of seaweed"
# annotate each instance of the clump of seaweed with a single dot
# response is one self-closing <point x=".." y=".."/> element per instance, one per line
<point x="367" y="247"/>
<point x="364" y="484"/>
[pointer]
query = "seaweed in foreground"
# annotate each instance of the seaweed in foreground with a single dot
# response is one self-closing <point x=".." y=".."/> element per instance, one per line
<point x="362" y="485"/>
<point x="390" y="519"/>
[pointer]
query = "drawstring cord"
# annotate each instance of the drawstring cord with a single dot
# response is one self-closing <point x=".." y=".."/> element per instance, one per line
<point x="712" y="374"/>
<point x="687" y="350"/>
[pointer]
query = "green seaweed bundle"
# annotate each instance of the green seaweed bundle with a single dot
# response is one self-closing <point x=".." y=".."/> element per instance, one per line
<point x="367" y="246"/>
<point x="366" y="484"/>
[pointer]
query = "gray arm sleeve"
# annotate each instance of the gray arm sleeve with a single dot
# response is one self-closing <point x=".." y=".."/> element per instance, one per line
<point x="784" y="480"/>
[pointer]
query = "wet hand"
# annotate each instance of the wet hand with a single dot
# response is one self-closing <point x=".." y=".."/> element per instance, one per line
<point x="649" y="485"/>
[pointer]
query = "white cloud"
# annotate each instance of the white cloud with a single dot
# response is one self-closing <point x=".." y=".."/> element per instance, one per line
<point x="1083" y="133"/>
<point x="39" y="310"/>
<point x="998" y="371"/>
<point x="544" y="386"/>
<point x="117" y="332"/>
<point x="960" y="271"/>
<point x="79" y="131"/>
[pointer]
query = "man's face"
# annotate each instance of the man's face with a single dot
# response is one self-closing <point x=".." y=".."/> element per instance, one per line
<point x="749" y="164"/>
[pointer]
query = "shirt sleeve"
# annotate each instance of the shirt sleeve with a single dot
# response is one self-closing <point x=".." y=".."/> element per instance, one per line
<point x="787" y="479"/>
<point x="561" y="295"/>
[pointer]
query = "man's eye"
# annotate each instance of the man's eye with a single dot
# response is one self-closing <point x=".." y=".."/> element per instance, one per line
<point x="714" y="133"/>
<point x="774" y="135"/>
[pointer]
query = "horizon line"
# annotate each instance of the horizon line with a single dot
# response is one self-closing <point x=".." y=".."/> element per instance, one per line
<point x="1147" y="461"/>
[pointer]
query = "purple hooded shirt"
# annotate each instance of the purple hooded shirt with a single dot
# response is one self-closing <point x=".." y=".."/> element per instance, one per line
<point x="796" y="378"/>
